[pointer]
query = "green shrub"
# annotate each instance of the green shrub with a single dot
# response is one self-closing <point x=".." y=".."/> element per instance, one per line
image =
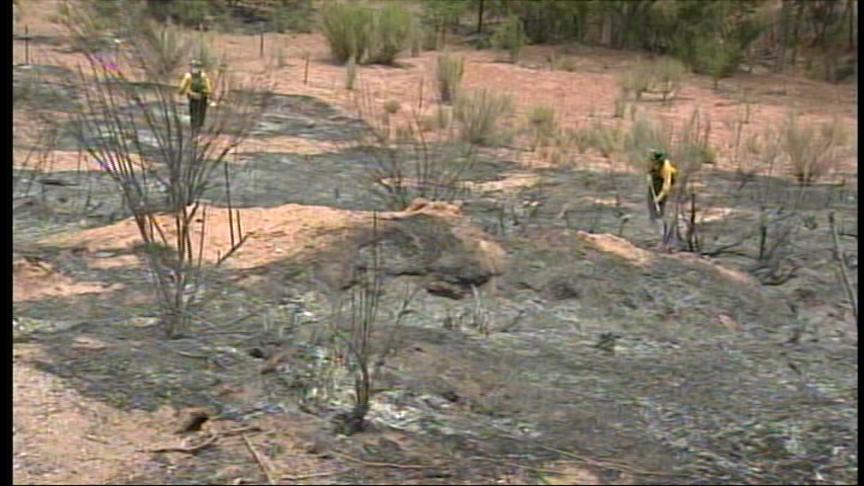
<point x="562" y="63"/>
<point x="392" y="107"/>
<point x="509" y="37"/>
<point x="416" y="36"/>
<point x="663" y="77"/>
<point x="164" y="50"/>
<point x="693" y="147"/>
<point x="606" y="140"/>
<point x="813" y="150"/>
<point x="369" y="35"/>
<point x="667" y="76"/>
<point x="346" y="27"/>
<point x="542" y="124"/>
<point x="449" y="71"/>
<point x="635" y="81"/>
<point x="292" y="15"/>
<point x="480" y="113"/>
<point x="391" y="27"/>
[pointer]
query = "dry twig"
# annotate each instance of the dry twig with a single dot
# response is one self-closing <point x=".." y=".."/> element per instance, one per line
<point x="298" y="477"/>
<point x="381" y="464"/>
<point x="259" y="460"/>
<point x="841" y="262"/>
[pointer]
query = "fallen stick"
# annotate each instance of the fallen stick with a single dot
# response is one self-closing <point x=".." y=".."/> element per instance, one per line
<point x="207" y="443"/>
<point x="611" y="465"/>
<point x="840" y="256"/>
<point x="381" y="464"/>
<point x="259" y="460"/>
<point x="298" y="477"/>
<point x="186" y="450"/>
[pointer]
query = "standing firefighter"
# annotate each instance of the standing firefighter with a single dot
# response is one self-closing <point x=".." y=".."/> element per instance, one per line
<point x="661" y="179"/>
<point x="196" y="86"/>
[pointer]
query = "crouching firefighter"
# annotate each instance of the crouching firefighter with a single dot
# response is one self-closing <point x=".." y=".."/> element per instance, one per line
<point x="661" y="179"/>
<point x="196" y="86"/>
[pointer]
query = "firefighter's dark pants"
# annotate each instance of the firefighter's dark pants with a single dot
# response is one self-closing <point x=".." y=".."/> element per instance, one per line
<point x="197" y="111"/>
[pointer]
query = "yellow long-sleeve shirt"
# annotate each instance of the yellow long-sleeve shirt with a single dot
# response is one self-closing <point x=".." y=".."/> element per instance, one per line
<point x="186" y="86"/>
<point x="666" y="174"/>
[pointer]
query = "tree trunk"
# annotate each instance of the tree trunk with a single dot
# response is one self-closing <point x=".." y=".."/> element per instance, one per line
<point x="480" y="16"/>
<point x="780" y="62"/>
<point x="795" y="31"/>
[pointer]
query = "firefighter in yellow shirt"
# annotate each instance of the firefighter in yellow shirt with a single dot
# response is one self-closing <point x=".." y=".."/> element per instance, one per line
<point x="661" y="179"/>
<point x="196" y="86"/>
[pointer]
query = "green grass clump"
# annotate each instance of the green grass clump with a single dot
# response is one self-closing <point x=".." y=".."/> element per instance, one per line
<point x="813" y="150"/>
<point x="367" y="34"/>
<point x="509" y="37"/>
<point x="542" y="124"/>
<point x="480" y="114"/>
<point x="449" y="70"/>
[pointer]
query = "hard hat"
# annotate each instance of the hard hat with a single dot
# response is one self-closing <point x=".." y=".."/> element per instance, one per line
<point x="657" y="155"/>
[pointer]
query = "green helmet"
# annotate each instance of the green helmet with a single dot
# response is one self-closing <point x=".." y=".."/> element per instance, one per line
<point x="196" y="63"/>
<point x="657" y="155"/>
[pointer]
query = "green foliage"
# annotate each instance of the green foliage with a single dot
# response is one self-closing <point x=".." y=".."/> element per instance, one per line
<point x="440" y="15"/>
<point x="606" y="140"/>
<point x="713" y="36"/>
<point x="480" y="114"/>
<point x="664" y="77"/>
<point x="449" y="69"/>
<point x="346" y="27"/>
<point x="636" y="81"/>
<point x="562" y="63"/>
<point x="392" y="107"/>
<point x="292" y="15"/>
<point x="693" y="148"/>
<point x="509" y="37"/>
<point x="164" y="49"/>
<point x="667" y="76"/>
<point x="391" y="27"/>
<point x="190" y="13"/>
<point x="90" y="30"/>
<point x="542" y="124"/>
<point x="813" y="150"/>
<point x="688" y="149"/>
<point x="366" y="34"/>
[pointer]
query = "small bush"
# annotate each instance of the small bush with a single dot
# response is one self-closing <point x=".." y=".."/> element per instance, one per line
<point x="542" y="124"/>
<point x="813" y="150"/>
<point x="662" y="77"/>
<point x="165" y="49"/>
<point x="693" y="147"/>
<point x="369" y="35"/>
<point x="292" y="15"/>
<point x="480" y="113"/>
<point x="439" y="121"/>
<point x="391" y="27"/>
<point x="636" y="81"/>
<point x="562" y="63"/>
<point x="346" y="27"/>
<point x="450" y="70"/>
<point x="645" y="135"/>
<point x="416" y="34"/>
<point x="667" y="76"/>
<point x="606" y="140"/>
<point x="620" y="107"/>
<point x="509" y="37"/>
<point x="392" y="107"/>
